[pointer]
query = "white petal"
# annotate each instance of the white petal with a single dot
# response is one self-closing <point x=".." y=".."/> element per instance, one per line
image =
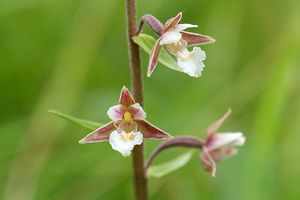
<point x="181" y="27"/>
<point x="125" y="145"/>
<point x="115" y="112"/>
<point x="198" y="54"/>
<point x="191" y="62"/>
<point x="139" y="112"/>
<point x="138" y="138"/>
<point x="227" y="140"/>
<point x="170" y="37"/>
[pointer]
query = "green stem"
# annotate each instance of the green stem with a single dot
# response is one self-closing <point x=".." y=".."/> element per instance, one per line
<point x="140" y="180"/>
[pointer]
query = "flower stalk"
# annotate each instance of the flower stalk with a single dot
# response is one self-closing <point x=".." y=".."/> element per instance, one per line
<point x="181" y="141"/>
<point x="140" y="181"/>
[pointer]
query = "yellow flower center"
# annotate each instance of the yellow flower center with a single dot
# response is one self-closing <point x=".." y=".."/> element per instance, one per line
<point x="184" y="56"/>
<point x="127" y="136"/>
<point x="127" y="116"/>
<point x="178" y="43"/>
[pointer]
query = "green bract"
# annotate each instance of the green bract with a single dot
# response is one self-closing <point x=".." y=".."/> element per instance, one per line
<point x="166" y="168"/>
<point x="146" y="42"/>
<point x="87" y="124"/>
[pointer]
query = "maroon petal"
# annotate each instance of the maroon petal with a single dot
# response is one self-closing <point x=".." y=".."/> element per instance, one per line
<point x="126" y="98"/>
<point x="154" y="57"/>
<point x="150" y="131"/>
<point x="154" y="24"/>
<point x="215" y="126"/>
<point x="207" y="162"/>
<point x="172" y="22"/>
<point x="196" y="39"/>
<point x="99" y="135"/>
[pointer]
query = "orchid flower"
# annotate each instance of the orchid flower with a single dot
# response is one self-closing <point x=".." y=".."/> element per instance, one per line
<point x="127" y="128"/>
<point x="173" y="36"/>
<point x="219" y="146"/>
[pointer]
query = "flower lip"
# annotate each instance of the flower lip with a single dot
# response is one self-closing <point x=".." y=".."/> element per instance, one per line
<point x="124" y="142"/>
<point x="191" y="62"/>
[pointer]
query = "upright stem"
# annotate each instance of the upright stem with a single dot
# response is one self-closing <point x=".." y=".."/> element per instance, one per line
<point x="140" y="181"/>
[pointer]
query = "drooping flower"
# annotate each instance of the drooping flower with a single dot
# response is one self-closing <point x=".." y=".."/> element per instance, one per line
<point x="173" y="36"/>
<point x="219" y="146"/>
<point x="127" y="128"/>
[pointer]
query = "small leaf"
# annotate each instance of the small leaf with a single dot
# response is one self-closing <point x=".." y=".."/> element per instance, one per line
<point x="90" y="125"/>
<point x="163" y="169"/>
<point x="146" y="42"/>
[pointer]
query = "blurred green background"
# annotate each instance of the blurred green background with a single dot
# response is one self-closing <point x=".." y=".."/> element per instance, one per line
<point x="71" y="56"/>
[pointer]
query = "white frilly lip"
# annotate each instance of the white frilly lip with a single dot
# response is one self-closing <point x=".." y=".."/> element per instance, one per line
<point x="191" y="63"/>
<point x="125" y="142"/>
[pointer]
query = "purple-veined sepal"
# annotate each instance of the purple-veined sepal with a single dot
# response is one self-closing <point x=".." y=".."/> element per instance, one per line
<point x="194" y="39"/>
<point x="172" y="22"/>
<point x="213" y="128"/>
<point x="150" y="131"/>
<point x="126" y="98"/>
<point x="99" y="135"/>
<point x="153" y="57"/>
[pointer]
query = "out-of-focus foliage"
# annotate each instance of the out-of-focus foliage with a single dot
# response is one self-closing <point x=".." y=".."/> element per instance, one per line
<point x="87" y="124"/>
<point x="170" y="166"/>
<point x="72" y="56"/>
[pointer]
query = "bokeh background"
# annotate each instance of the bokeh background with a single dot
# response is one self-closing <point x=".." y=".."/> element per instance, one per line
<point x="71" y="56"/>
